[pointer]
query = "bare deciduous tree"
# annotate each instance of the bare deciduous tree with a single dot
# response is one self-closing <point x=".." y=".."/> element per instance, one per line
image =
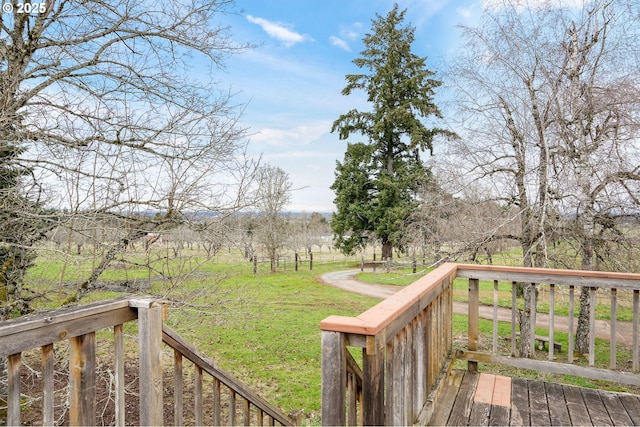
<point x="117" y="101"/>
<point x="548" y="93"/>
<point x="272" y="195"/>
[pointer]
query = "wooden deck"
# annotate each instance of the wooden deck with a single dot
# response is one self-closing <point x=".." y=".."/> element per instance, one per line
<point x="485" y="399"/>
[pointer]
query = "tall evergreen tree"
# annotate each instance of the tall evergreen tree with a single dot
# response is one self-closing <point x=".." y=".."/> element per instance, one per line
<point x="377" y="184"/>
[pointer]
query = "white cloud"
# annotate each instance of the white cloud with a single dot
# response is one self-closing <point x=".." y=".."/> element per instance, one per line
<point x="279" y="31"/>
<point x="338" y="42"/>
<point x="296" y="136"/>
<point x="464" y="13"/>
<point x="347" y="34"/>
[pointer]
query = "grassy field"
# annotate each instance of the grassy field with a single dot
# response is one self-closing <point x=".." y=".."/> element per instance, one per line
<point x="263" y="328"/>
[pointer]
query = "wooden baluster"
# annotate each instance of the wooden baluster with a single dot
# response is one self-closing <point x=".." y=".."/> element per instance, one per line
<point x="532" y="331"/>
<point x="495" y="317"/>
<point x="197" y="392"/>
<point x="592" y="326"/>
<point x="232" y="407"/>
<point x="118" y="344"/>
<point x="178" y="389"/>
<point x="614" y="324"/>
<point x="372" y="383"/>
<point x="570" y="323"/>
<point x="351" y="400"/>
<point x="216" y="402"/>
<point x="82" y="380"/>
<point x="260" y="417"/>
<point x="552" y="310"/>
<point x="474" y="311"/>
<point x="636" y="351"/>
<point x="420" y="357"/>
<point x="246" y="413"/>
<point x="409" y="376"/>
<point x="13" y="399"/>
<point x="47" y="392"/>
<point x="514" y="311"/>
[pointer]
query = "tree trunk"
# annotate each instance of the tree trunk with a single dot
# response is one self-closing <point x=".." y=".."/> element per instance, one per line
<point x="582" y="331"/>
<point x="525" y="322"/>
<point x="387" y="251"/>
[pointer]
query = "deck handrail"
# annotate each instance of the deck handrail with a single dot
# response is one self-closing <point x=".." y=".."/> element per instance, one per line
<point x="250" y="398"/>
<point x="400" y="354"/>
<point x="78" y="326"/>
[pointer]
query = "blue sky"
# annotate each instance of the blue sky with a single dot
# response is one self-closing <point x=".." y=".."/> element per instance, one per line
<point x="292" y="81"/>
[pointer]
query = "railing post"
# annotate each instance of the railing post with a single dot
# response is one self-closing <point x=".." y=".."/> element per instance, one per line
<point x="82" y="380"/>
<point x="372" y="383"/>
<point x="150" y="344"/>
<point x="474" y="313"/>
<point x="334" y="378"/>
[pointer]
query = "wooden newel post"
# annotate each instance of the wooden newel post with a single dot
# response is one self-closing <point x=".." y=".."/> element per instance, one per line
<point x="334" y="379"/>
<point x="150" y="344"/>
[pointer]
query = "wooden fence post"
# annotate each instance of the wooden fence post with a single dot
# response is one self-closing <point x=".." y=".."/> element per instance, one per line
<point x="150" y="344"/>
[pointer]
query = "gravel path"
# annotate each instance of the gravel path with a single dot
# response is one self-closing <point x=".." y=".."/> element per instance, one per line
<point x="346" y="280"/>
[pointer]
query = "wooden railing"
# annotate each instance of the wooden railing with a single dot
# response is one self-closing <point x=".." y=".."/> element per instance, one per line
<point x="407" y="348"/>
<point x="77" y="328"/>
<point x="405" y="343"/>
<point x="546" y="285"/>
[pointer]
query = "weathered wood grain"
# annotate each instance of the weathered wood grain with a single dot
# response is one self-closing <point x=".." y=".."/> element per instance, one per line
<point x="14" y="362"/>
<point x="197" y="396"/>
<point x="500" y="415"/>
<point x="56" y="330"/>
<point x="632" y="406"/>
<point x="150" y="380"/>
<point x="558" y="412"/>
<point x="373" y="387"/>
<point x="597" y="411"/>
<point x="615" y="408"/>
<point x="479" y="415"/>
<point x="575" y="406"/>
<point x="334" y="378"/>
<point x="82" y="380"/>
<point x="464" y="401"/>
<point x="48" y="390"/>
<point x="447" y="399"/>
<point x="217" y="414"/>
<point x="118" y="347"/>
<point x="539" y="408"/>
<point x="178" y="389"/>
<point x="520" y="413"/>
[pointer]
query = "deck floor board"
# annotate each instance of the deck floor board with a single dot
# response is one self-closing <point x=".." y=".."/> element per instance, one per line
<point x="534" y="403"/>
